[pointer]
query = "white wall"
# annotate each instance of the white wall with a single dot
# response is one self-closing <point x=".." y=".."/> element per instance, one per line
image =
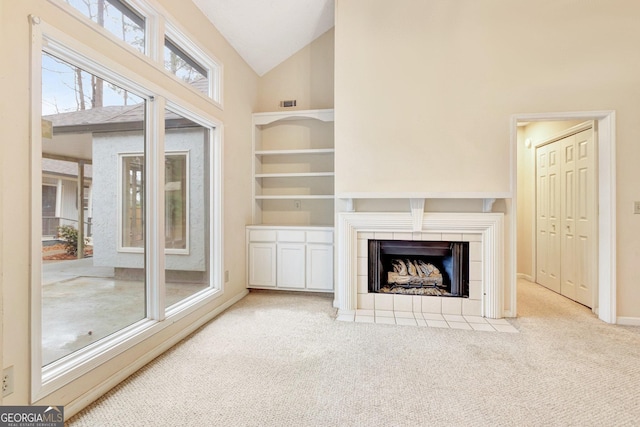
<point x="307" y="77"/>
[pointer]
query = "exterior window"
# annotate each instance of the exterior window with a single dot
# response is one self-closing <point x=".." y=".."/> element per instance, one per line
<point x="187" y="208"/>
<point x="132" y="198"/>
<point x="130" y="177"/>
<point x="175" y="201"/>
<point x="183" y="66"/>
<point x="117" y="17"/>
<point x="78" y="309"/>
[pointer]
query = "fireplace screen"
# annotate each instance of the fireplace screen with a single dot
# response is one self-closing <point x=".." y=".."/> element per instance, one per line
<point x="419" y="267"/>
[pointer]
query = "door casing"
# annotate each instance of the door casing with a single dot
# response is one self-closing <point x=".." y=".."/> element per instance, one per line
<point x="605" y="306"/>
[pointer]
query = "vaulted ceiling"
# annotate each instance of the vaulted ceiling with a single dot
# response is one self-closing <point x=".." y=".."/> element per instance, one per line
<point x="267" y="32"/>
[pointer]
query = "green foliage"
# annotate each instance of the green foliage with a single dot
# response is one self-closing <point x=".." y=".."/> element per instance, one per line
<point x="69" y="234"/>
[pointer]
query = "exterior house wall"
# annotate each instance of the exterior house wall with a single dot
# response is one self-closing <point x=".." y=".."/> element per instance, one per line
<point x="107" y="234"/>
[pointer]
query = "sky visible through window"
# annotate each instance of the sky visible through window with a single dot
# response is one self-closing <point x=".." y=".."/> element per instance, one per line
<point x="115" y="16"/>
<point x="66" y="88"/>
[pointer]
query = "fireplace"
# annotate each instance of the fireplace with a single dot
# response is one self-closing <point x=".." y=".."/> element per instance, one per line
<point x="483" y="231"/>
<point x="426" y="268"/>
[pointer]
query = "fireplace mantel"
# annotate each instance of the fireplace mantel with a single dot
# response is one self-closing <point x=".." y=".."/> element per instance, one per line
<point x="487" y="226"/>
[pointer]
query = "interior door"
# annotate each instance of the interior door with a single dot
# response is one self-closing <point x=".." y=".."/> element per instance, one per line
<point x="568" y="223"/>
<point x="586" y="218"/>
<point x="548" y="217"/>
<point x="566" y="216"/>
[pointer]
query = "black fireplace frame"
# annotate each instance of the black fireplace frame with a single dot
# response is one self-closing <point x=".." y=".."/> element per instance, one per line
<point x="457" y="280"/>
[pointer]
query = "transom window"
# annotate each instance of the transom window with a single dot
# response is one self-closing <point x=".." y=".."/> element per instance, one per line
<point x="118" y="17"/>
<point x="183" y="66"/>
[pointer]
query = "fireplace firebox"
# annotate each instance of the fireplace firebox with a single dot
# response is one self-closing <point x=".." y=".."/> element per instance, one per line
<point x="430" y="268"/>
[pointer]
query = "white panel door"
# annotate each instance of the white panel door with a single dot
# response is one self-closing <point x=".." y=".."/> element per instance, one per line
<point x="262" y="264"/>
<point x="548" y="217"/>
<point x="568" y="208"/>
<point x="291" y="265"/>
<point x="320" y="267"/>
<point x="586" y="218"/>
<point x="566" y="216"/>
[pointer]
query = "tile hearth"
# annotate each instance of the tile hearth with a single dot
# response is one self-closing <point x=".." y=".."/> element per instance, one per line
<point x="432" y="320"/>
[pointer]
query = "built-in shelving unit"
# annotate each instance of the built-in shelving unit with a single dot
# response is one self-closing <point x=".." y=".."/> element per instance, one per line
<point x="290" y="244"/>
<point x="293" y="168"/>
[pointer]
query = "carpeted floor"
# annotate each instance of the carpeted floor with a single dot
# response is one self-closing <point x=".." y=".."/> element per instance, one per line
<point x="282" y="360"/>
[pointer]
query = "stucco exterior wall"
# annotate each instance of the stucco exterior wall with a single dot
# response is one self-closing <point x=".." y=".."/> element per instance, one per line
<point x="108" y="149"/>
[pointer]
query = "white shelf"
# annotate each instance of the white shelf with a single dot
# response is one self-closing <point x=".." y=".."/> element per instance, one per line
<point x="293" y="168"/>
<point x="294" y="152"/>
<point x="294" y="174"/>
<point x="273" y="116"/>
<point x="297" y="197"/>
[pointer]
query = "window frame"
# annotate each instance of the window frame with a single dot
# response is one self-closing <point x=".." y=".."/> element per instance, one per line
<point x="64" y="45"/>
<point x="187" y="228"/>
<point x="134" y="249"/>
<point x="213" y="66"/>
<point x="137" y="7"/>
<point x="158" y="26"/>
<point x="121" y="200"/>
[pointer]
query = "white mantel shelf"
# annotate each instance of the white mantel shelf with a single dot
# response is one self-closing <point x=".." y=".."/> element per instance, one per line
<point x="426" y="195"/>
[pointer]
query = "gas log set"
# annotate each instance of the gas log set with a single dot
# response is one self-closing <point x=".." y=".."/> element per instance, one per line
<point x="419" y="267"/>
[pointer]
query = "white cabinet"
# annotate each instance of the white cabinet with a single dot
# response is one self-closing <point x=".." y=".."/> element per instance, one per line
<point x="319" y="267"/>
<point x="291" y="265"/>
<point x="290" y="258"/>
<point x="293" y="168"/>
<point x="262" y="264"/>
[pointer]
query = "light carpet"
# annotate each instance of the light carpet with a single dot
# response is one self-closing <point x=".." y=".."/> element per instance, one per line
<point x="281" y="359"/>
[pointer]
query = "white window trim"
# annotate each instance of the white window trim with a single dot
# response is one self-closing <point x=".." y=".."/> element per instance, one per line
<point x="187" y="159"/>
<point x="209" y="62"/>
<point x="159" y="22"/>
<point x="141" y="8"/>
<point x="47" y="38"/>
<point x="120" y="204"/>
<point x="132" y="249"/>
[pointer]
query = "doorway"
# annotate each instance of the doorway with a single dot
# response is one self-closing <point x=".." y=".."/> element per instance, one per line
<point x="604" y="298"/>
<point x="565" y="209"/>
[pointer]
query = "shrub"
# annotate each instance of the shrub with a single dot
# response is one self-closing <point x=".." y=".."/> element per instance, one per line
<point x="69" y="234"/>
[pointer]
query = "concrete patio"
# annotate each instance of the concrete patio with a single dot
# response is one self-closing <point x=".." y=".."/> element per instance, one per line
<point x="82" y="304"/>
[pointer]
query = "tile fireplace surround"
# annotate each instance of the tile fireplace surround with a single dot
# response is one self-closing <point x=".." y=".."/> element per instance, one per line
<point x="483" y="231"/>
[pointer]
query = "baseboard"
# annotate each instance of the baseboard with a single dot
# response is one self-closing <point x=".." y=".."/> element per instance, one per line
<point x="628" y="321"/>
<point x="96" y="392"/>
<point x="508" y="313"/>
<point x="524" y="276"/>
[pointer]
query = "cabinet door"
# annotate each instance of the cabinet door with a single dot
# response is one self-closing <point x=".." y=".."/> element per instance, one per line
<point x="320" y="267"/>
<point x="262" y="264"/>
<point x="291" y="267"/>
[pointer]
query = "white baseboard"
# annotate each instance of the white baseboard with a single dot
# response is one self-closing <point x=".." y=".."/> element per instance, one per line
<point x="628" y="321"/>
<point x="96" y="392"/>
<point x="525" y="277"/>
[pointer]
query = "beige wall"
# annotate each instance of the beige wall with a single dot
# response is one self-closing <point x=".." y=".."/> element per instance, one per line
<point x="425" y="92"/>
<point x="240" y="99"/>
<point x="307" y="77"/>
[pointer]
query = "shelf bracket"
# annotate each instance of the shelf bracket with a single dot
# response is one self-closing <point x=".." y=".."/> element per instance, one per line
<point x="487" y="205"/>
<point x="417" y="213"/>
<point x="348" y="205"/>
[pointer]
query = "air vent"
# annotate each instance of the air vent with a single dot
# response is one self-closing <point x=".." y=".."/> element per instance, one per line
<point x="289" y="103"/>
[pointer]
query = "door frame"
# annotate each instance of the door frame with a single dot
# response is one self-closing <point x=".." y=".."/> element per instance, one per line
<point x="605" y="305"/>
